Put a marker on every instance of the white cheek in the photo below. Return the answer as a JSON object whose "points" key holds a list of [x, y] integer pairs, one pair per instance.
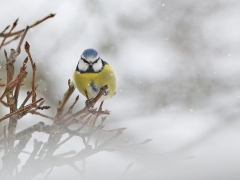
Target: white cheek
{"points": [[97, 66], [82, 65]]}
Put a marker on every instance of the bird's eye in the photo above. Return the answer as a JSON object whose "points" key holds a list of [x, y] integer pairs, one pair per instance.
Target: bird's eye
{"points": [[84, 60], [95, 61]]}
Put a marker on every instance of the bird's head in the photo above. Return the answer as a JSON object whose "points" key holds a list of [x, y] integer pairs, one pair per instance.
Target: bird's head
{"points": [[90, 61]]}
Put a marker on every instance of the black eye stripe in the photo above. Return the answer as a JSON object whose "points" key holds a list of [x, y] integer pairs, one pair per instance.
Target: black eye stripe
{"points": [[95, 61], [84, 60]]}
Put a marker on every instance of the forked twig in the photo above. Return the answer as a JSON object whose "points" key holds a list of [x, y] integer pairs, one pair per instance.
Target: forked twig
{"points": [[33, 25], [66, 96], [5, 37], [27, 49], [22, 110], [13, 39]]}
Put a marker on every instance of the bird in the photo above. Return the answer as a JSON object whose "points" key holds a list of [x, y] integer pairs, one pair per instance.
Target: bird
{"points": [[92, 73]]}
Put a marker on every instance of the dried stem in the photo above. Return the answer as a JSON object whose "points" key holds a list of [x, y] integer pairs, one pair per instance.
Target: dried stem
{"points": [[66, 96], [10, 98], [5, 37], [6, 28], [22, 76], [42, 115], [13, 39], [27, 49], [33, 25], [99, 133], [21, 40], [9, 88], [29, 94], [71, 107], [23, 111]]}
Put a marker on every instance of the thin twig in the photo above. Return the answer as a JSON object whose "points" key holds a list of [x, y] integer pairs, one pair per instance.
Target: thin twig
{"points": [[71, 107], [73, 165], [10, 86], [10, 99], [6, 28], [13, 26], [22, 76], [98, 114], [33, 25], [66, 153], [65, 140], [21, 40], [42, 115], [29, 94], [99, 133], [128, 168], [49, 172], [39, 127], [5, 104], [89, 103], [27, 49], [66, 96], [36, 148], [13, 39], [6, 56], [25, 109], [69, 112]]}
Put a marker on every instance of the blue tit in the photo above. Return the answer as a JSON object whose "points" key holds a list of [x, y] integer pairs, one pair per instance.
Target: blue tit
{"points": [[92, 73]]}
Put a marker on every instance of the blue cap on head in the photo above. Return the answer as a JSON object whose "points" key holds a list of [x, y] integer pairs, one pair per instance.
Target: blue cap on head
{"points": [[90, 53]]}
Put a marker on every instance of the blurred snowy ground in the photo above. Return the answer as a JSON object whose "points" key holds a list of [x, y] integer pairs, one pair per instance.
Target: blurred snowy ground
{"points": [[177, 66]]}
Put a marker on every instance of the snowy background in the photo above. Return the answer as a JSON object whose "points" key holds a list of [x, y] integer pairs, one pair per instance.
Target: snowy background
{"points": [[178, 79]]}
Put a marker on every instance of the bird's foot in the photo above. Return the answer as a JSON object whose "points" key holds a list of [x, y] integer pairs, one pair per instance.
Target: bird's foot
{"points": [[89, 103], [104, 89]]}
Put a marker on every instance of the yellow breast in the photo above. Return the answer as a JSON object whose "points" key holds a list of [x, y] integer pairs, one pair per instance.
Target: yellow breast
{"points": [[92, 82]]}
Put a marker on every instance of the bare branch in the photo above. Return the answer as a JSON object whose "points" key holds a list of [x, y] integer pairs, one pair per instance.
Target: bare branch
{"points": [[5, 104], [22, 76], [29, 94], [6, 28], [13, 39], [11, 85], [71, 107], [83, 123], [66, 96], [33, 25], [27, 49], [21, 40], [13, 26], [23, 111], [42, 115]]}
